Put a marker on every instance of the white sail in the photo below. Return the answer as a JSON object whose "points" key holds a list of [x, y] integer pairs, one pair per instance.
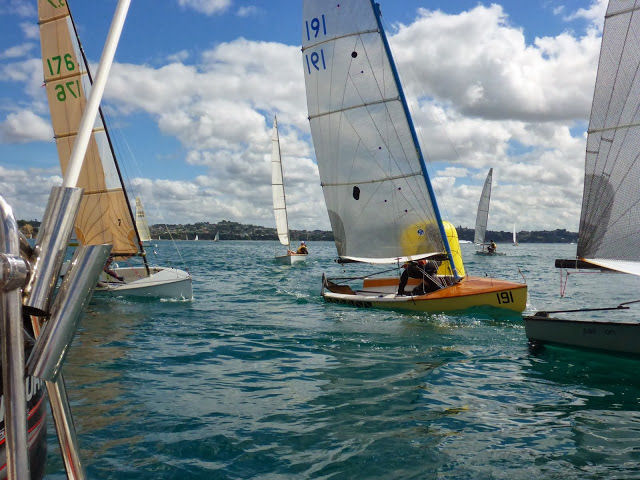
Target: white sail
{"points": [[217, 237], [196, 238], [277, 187], [482, 217], [376, 189], [609, 235], [515, 241], [141, 222]]}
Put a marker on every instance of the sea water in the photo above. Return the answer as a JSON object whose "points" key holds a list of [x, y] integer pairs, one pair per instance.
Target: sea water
{"points": [[258, 377]]}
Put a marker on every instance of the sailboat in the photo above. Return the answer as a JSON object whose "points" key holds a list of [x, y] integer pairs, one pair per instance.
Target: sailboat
{"points": [[608, 236], [105, 216], [217, 237], [196, 237], [515, 239], [280, 201], [141, 222], [379, 197], [482, 218]]}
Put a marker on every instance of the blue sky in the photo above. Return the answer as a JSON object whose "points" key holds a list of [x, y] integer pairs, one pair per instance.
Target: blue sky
{"points": [[196, 83]]}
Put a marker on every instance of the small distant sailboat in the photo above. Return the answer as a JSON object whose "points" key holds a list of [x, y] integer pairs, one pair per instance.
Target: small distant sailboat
{"points": [[608, 237], [217, 237], [280, 202], [482, 218], [515, 239], [379, 197], [141, 222], [196, 238], [105, 215]]}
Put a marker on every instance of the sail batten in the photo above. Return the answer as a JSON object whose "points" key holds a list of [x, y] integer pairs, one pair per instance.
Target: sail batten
{"points": [[104, 215], [611, 202], [366, 147]]}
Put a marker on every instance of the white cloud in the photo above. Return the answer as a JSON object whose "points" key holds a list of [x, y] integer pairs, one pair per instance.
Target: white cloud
{"points": [[594, 14], [247, 11], [31, 30], [27, 190], [208, 7], [25, 126], [22, 8], [179, 57], [17, 51]]}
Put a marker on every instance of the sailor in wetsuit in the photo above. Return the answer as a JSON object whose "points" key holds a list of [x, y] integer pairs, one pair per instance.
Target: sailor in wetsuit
{"points": [[423, 269]]}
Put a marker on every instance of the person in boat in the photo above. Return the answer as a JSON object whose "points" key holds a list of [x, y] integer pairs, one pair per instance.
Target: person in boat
{"points": [[107, 269], [302, 249], [492, 247], [425, 270]]}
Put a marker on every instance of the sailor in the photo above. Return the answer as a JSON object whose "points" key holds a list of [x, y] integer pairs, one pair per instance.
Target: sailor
{"points": [[107, 269], [492, 247], [302, 249], [424, 270]]}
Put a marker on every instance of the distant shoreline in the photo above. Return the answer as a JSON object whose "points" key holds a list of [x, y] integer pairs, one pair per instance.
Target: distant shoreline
{"points": [[228, 230]]}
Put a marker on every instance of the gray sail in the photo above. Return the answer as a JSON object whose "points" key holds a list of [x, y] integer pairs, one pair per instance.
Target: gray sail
{"points": [[482, 217], [609, 235], [374, 186]]}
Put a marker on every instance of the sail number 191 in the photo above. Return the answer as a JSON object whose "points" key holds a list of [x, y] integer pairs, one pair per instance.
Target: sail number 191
{"points": [[315, 26], [504, 297]]}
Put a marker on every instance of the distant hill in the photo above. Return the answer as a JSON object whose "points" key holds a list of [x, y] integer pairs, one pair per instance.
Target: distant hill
{"points": [[238, 231]]}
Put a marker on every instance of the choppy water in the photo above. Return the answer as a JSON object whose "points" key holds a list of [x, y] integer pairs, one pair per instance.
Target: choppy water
{"points": [[259, 378]]}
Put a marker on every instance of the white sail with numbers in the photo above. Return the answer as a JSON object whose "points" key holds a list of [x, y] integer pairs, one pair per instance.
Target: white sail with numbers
{"points": [[482, 217], [104, 216], [141, 222], [277, 187], [371, 168], [609, 235]]}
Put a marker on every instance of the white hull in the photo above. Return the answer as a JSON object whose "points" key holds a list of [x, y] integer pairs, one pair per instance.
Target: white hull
{"points": [[610, 336], [162, 283], [292, 258]]}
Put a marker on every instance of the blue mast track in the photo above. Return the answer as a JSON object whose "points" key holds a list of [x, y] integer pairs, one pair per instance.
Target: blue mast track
{"points": [[423, 165]]}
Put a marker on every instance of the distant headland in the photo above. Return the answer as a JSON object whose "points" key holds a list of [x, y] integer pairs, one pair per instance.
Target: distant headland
{"points": [[228, 230]]}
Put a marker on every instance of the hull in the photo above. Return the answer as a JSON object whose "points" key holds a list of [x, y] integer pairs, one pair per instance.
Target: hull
{"points": [[470, 292], [162, 283], [291, 258], [621, 337], [37, 430], [488, 254]]}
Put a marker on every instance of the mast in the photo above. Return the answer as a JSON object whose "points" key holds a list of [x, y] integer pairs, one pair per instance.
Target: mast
{"points": [[423, 165], [142, 251], [277, 158]]}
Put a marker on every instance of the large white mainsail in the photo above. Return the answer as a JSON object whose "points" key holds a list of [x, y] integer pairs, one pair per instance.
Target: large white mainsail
{"points": [[609, 235], [105, 215], [141, 222], [377, 191], [277, 186], [482, 217]]}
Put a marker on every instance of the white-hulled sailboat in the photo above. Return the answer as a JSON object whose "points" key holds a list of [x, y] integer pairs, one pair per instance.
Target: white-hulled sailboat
{"points": [[280, 201], [105, 215], [482, 219], [381, 205], [609, 237]]}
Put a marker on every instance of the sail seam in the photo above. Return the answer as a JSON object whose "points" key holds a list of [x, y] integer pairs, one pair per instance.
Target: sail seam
{"points": [[73, 134], [340, 110], [629, 125], [64, 77], [378, 180], [622, 12], [53, 19], [354, 34]]}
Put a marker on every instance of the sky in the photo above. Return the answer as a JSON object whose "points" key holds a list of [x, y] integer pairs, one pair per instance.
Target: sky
{"points": [[196, 83]]}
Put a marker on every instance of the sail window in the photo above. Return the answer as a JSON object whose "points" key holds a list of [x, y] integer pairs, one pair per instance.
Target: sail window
{"points": [[356, 193], [354, 54]]}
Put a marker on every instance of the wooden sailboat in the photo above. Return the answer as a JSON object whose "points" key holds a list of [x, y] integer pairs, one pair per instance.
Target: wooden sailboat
{"points": [[280, 202], [381, 205], [482, 218], [105, 215], [141, 222], [608, 238]]}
